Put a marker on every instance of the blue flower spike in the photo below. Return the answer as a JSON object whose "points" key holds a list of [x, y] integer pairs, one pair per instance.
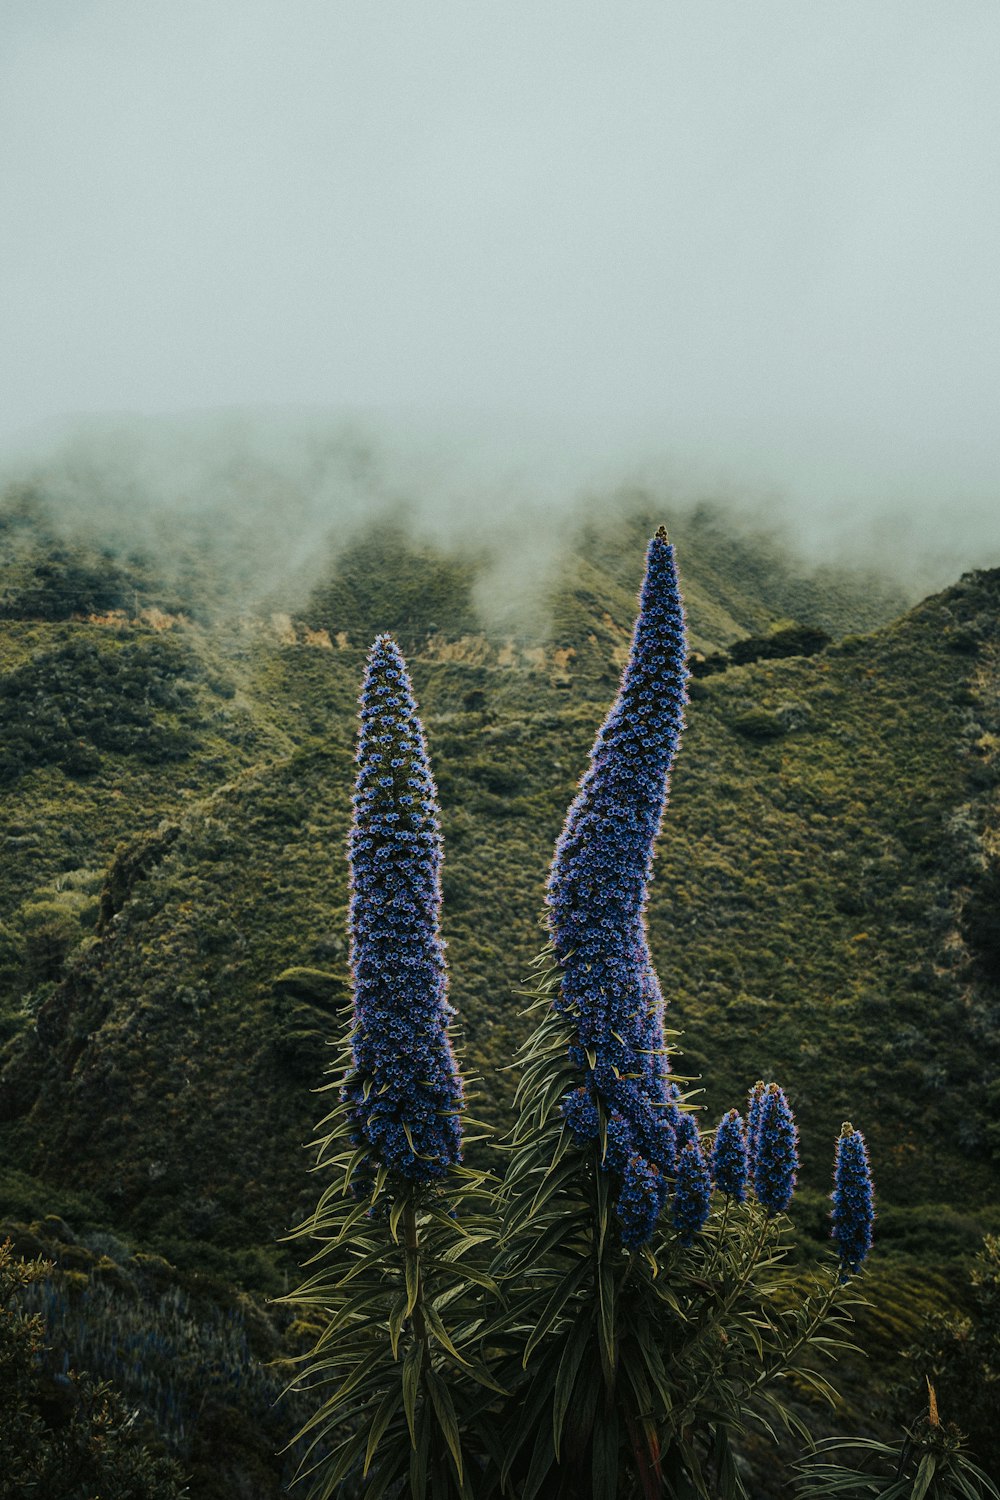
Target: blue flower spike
{"points": [[755, 1102], [777, 1156], [405, 1091], [685, 1129], [692, 1193], [853, 1212], [730, 1158], [639, 1202], [597, 893]]}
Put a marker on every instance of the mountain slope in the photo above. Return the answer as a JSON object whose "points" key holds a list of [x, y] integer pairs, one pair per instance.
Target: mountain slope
{"points": [[831, 836]]}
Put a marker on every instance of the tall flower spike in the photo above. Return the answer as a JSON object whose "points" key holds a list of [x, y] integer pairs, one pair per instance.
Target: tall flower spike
{"points": [[405, 1091], [853, 1199], [777, 1158], [598, 888], [730, 1163]]}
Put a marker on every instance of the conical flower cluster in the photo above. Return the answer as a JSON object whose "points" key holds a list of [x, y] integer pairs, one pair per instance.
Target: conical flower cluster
{"points": [[597, 895], [730, 1158], [853, 1199], [755, 1103], [776, 1151], [405, 1091], [692, 1193]]}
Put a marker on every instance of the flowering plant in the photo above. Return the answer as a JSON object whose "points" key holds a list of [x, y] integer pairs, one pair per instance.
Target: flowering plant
{"points": [[600, 1323]]}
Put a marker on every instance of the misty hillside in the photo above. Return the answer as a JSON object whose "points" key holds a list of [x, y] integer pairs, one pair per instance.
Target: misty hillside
{"points": [[177, 769]]}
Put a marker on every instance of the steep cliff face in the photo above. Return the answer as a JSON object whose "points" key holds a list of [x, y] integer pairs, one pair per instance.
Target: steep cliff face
{"points": [[822, 908]]}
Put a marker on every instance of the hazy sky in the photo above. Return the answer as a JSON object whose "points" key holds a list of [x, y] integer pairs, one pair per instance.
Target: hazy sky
{"points": [[759, 241]]}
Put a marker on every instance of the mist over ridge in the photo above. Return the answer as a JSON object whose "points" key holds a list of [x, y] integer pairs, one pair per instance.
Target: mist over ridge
{"points": [[267, 500]]}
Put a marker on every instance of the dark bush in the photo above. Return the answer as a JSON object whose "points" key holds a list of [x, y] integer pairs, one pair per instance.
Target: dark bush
{"points": [[794, 640], [981, 923]]}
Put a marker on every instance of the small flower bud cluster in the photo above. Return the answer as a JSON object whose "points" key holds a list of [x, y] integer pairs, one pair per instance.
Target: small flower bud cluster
{"points": [[853, 1199], [692, 1193], [754, 1105]]}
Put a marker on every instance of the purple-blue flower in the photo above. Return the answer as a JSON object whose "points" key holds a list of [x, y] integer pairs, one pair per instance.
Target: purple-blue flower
{"points": [[730, 1161], [777, 1156], [685, 1129], [640, 1202], [853, 1199], [599, 883], [580, 1113], [755, 1102], [405, 1091], [692, 1193]]}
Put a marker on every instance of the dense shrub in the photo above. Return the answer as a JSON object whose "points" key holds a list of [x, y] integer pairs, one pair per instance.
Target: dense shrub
{"points": [[65, 706], [791, 640], [62, 1433], [960, 1356]]}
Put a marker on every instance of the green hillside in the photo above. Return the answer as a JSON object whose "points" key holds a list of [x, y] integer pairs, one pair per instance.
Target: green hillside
{"points": [[177, 774]]}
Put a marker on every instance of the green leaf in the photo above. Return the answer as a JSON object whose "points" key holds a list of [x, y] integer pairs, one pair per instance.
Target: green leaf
{"points": [[569, 1365], [396, 1319], [530, 1418], [440, 1332], [557, 1301], [444, 1411], [605, 1455], [331, 1408], [924, 1476], [542, 1459], [411, 1265], [565, 1175], [412, 1366], [731, 1485], [398, 1210], [418, 1462], [388, 1407], [353, 1163], [601, 1182], [347, 1456], [606, 1321]]}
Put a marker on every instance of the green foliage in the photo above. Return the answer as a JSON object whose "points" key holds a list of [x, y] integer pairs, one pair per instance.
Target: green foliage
{"points": [[931, 1463], [398, 1373], [640, 1371], [199, 1366], [960, 1356], [66, 706], [787, 640], [760, 831], [566, 1367], [759, 725], [61, 587], [980, 922], [61, 1433]]}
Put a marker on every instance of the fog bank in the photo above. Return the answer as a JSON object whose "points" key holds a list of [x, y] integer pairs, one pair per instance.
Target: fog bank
{"points": [[272, 497]]}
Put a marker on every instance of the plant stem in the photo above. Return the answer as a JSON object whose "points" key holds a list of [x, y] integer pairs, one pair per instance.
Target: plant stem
{"points": [[728, 1302], [411, 1242], [720, 1243], [811, 1327]]}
